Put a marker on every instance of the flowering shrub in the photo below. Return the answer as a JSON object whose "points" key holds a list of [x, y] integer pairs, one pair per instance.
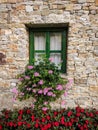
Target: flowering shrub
{"points": [[42, 81], [29, 119]]}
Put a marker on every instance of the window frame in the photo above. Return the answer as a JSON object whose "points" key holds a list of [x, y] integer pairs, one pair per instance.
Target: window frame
{"points": [[47, 30]]}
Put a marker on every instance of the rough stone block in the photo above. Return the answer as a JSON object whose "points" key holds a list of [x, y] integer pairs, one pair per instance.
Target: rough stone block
{"points": [[29, 8]]}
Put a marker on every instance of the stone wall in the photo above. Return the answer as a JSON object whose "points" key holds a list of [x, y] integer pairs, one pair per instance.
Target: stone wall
{"points": [[82, 62]]}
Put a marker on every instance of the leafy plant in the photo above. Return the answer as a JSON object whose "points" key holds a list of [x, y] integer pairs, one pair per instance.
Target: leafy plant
{"points": [[42, 81], [65, 119]]}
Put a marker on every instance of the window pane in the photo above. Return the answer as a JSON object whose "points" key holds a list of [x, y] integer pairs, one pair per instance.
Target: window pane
{"points": [[38, 55], [56, 58], [55, 41], [39, 41]]}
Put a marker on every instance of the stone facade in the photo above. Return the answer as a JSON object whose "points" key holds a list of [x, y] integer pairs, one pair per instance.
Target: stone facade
{"points": [[82, 61]]}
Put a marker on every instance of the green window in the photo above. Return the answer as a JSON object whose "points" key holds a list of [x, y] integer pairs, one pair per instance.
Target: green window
{"points": [[49, 41]]}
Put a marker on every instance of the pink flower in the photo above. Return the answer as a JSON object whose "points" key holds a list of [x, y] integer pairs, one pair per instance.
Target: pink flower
{"points": [[20, 79], [40, 82], [30, 67], [34, 85], [63, 103], [14, 90], [34, 91], [32, 105], [36, 74], [68, 85], [21, 94], [53, 95], [50, 93], [40, 91], [59, 87], [65, 94], [13, 99], [27, 77], [51, 59], [44, 108], [45, 91], [45, 103], [50, 71]]}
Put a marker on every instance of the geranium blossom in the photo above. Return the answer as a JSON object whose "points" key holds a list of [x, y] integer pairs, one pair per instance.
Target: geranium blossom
{"points": [[45, 90], [40, 91], [50, 93], [41, 82], [36, 74], [44, 108], [27, 77], [50, 71], [51, 59], [30, 67], [14, 90], [59, 87]]}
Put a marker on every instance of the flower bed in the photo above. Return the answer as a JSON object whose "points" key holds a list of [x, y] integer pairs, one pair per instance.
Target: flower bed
{"points": [[64, 119]]}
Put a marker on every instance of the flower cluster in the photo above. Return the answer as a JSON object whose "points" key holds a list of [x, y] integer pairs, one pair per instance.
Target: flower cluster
{"points": [[69, 119], [42, 81]]}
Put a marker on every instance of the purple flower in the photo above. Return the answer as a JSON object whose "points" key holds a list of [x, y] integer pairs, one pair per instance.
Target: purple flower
{"points": [[50, 93], [40, 82], [30, 67], [59, 87], [36, 74], [50, 71], [40, 91]]}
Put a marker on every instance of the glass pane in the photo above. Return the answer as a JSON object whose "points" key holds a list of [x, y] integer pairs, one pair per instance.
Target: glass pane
{"points": [[55, 41], [38, 55], [39, 41], [56, 58]]}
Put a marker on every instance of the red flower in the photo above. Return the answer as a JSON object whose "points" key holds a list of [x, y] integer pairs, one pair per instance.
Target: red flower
{"points": [[69, 113], [63, 118], [69, 124], [48, 117], [20, 112], [36, 125], [82, 110], [78, 109], [49, 125], [28, 111], [56, 123], [32, 117], [85, 126], [43, 120], [28, 125], [91, 115], [1, 127], [20, 123], [78, 114], [19, 117], [86, 121], [6, 116], [55, 113], [72, 120]]}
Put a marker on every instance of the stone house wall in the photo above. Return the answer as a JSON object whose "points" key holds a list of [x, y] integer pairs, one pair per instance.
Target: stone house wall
{"points": [[82, 61]]}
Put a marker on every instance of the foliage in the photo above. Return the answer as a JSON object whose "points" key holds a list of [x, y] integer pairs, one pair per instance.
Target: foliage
{"points": [[69, 119], [42, 81]]}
